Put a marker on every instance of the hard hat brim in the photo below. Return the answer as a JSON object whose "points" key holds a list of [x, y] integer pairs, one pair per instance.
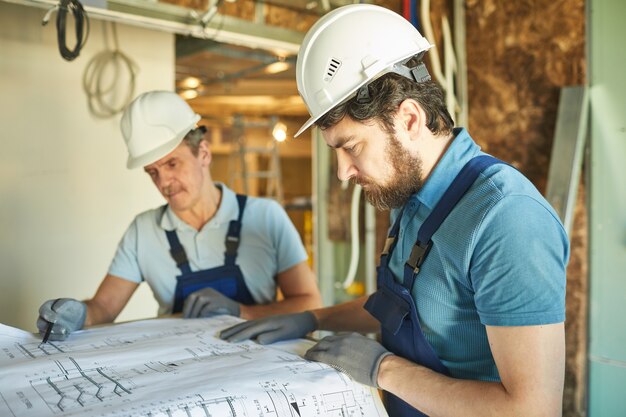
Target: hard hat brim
{"points": [[158, 153], [305, 126]]}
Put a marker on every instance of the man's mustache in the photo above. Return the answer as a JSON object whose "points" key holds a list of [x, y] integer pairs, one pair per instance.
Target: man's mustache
{"points": [[169, 190]]}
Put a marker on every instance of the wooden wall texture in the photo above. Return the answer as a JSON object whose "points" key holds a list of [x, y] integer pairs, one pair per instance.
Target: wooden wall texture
{"points": [[520, 53]]}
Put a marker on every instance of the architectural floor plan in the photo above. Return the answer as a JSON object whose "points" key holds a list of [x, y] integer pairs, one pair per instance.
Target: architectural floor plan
{"points": [[170, 368]]}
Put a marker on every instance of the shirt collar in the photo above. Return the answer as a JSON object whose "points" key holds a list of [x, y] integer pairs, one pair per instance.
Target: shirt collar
{"points": [[461, 150], [227, 211]]}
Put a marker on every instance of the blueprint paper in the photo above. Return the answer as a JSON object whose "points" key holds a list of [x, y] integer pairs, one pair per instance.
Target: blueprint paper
{"points": [[171, 368]]}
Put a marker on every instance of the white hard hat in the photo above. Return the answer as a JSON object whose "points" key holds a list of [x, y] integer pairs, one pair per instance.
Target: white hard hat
{"points": [[154, 124], [346, 49]]}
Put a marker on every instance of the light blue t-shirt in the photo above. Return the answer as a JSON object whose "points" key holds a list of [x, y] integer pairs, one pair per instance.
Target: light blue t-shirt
{"points": [[498, 259], [269, 245]]}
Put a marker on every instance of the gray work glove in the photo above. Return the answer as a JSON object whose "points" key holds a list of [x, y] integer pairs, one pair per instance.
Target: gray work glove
{"points": [[272, 329], [353, 354], [66, 314], [209, 302]]}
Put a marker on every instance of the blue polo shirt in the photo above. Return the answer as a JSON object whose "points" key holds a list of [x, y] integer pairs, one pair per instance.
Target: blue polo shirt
{"points": [[499, 259], [269, 245]]}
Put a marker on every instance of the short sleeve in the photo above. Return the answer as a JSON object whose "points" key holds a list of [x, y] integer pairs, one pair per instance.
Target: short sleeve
{"points": [[125, 263], [285, 238], [518, 264]]}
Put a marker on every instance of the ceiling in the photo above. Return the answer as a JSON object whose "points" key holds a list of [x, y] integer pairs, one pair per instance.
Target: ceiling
{"points": [[237, 80]]}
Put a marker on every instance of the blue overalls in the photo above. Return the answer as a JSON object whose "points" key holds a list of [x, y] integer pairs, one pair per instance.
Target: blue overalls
{"points": [[227, 279], [393, 305]]}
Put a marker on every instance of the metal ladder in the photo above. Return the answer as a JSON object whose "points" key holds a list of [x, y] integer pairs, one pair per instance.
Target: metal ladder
{"points": [[239, 163]]}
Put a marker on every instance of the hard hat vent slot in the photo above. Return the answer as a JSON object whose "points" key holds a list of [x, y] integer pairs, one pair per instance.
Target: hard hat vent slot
{"points": [[333, 66]]}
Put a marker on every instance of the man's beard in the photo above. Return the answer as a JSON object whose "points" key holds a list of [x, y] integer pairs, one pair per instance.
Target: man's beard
{"points": [[406, 179]]}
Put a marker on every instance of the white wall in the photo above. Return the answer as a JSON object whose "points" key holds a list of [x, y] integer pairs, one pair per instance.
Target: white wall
{"points": [[607, 208], [66, 196]]}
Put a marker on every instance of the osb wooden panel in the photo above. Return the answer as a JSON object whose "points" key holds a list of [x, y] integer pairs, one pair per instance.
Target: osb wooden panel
{"points": [[243, 9], [519, 55], [192, 4], [288, 19], [395, 5]]}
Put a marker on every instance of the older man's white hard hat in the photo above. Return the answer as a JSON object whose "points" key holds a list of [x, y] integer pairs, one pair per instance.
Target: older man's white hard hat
{"points": [[348, 48], [154, 124]]}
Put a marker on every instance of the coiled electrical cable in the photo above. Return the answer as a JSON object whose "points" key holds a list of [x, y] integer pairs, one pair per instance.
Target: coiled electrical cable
{"points": [[102, 77], [81, 25]]}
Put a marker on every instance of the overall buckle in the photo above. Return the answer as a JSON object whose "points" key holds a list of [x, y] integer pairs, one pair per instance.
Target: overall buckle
{"points": [[418, 255], [232, 244]]}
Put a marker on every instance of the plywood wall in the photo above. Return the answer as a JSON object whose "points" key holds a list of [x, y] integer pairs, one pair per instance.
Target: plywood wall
{"points": [[520, 54]]}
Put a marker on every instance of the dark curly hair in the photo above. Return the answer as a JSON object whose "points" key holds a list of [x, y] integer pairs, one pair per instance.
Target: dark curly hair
{"points": [[387, 93]]}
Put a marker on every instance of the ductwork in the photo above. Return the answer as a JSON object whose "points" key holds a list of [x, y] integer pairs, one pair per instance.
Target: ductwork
{"points": [[185, 21]]}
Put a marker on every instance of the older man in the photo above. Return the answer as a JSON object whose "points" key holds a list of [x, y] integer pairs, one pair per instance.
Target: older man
{"points": [[207, 251]]}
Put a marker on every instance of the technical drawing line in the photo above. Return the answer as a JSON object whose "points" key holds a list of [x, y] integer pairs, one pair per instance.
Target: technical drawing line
{"points": [[98, 393], [54, 345], [273, 403], [61, 367], [24, 350], [59, 392], [117, 384], [232, 408], [80, 394], [288, 402], [84, 375], [7, 404]]}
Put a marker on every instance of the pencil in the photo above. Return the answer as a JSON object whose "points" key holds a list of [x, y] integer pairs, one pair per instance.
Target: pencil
{"points": [[46, 336]]}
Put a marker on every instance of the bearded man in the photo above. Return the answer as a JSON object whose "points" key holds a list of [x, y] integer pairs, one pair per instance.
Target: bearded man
{"points": [[471, 299]]}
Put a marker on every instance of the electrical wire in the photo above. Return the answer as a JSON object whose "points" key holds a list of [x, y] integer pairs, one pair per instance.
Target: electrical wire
{"points": [[102, 76], [81, 27]]}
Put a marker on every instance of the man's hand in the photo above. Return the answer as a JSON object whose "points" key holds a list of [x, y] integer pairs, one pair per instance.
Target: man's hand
{"points": [[66, 314], [272, 329], [209, 302], [353, 354]]}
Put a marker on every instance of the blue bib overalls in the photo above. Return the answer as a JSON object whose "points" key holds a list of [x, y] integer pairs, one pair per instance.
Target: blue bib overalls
{"points": [[393, 304], [227, 279]]}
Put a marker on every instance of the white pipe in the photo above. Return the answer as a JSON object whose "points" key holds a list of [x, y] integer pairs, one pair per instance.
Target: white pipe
{"points": [[428, 32], [370, 249], [461, 61], [354, 237], [450, 69]]}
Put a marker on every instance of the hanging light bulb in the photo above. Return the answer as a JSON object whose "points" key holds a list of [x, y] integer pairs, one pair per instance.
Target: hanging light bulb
{"points": [[190, 82], [276, 67], [279, 132], [189, 94]]}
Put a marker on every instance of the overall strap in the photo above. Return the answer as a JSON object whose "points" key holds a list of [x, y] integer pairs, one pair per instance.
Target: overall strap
{"points": [[178, 252], [448, 201], [390, 242], [234, 233]]}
